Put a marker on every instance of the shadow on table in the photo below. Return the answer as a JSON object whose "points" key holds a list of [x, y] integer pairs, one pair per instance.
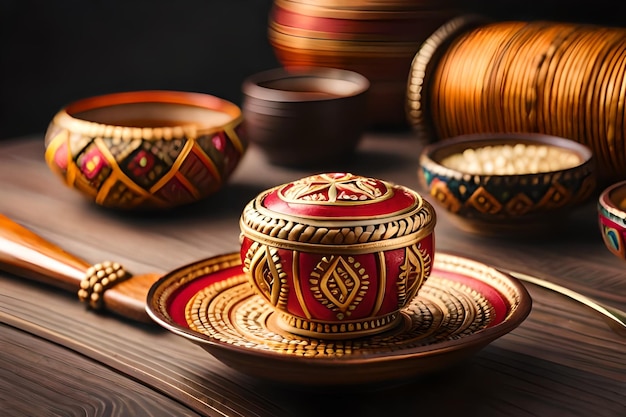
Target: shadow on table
{"points": [[478, 386]]}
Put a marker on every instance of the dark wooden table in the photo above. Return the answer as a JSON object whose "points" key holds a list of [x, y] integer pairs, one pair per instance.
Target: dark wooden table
{"points": [[58, 359]]}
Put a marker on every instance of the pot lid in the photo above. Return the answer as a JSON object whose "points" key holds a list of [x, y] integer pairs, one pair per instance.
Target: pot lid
{"points": [[360, 209]]}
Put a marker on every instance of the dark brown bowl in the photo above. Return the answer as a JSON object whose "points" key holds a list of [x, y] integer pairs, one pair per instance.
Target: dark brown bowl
{"points": [[305, 117]]}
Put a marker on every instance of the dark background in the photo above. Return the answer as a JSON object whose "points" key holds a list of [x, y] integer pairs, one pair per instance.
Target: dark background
{"points": [[55, 52]]}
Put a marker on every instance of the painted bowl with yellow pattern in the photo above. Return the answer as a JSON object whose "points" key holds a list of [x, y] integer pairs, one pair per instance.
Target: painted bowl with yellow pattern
{"points": [[146, 150], [337, 255], [507, 183]]}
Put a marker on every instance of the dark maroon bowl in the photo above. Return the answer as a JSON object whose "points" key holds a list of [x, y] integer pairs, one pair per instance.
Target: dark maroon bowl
{"points": [[305, 116]]}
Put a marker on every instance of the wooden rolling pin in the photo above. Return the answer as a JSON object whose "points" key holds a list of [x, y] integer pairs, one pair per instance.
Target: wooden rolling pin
{"points": [[104, 286]]}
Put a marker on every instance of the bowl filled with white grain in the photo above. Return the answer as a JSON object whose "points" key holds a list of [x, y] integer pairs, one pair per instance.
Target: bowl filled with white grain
{"points": [[502, 183]]}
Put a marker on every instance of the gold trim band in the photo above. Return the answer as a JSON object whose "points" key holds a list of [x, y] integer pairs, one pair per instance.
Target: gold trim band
{"points": [[337, 330], [339, 249]]}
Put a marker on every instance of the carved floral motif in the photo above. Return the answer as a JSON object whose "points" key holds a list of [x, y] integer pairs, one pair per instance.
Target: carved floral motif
{"points": [[334, 188]]}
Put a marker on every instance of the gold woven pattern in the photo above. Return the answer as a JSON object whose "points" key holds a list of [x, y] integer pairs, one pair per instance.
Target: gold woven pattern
{"points": [[229, 312], [256, 219]]}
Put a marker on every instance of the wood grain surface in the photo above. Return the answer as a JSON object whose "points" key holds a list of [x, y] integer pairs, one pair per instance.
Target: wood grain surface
{"points": [[59, 359]]}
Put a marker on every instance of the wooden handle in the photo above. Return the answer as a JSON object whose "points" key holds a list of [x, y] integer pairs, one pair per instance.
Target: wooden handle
{"points": [[27, 254]]}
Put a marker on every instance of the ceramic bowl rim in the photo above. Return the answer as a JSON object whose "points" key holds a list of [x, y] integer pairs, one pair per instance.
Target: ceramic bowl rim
{"points": [[252, 85], [186, 98], [430, 151], [68, 114], [607, 205]]}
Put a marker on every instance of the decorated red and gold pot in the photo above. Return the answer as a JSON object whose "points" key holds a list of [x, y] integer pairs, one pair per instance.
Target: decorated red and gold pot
{"points": [[377, 39], [337, 255]]}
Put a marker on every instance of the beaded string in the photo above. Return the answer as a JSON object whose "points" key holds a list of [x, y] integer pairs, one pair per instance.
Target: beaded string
{"points": [[99, 278]]}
